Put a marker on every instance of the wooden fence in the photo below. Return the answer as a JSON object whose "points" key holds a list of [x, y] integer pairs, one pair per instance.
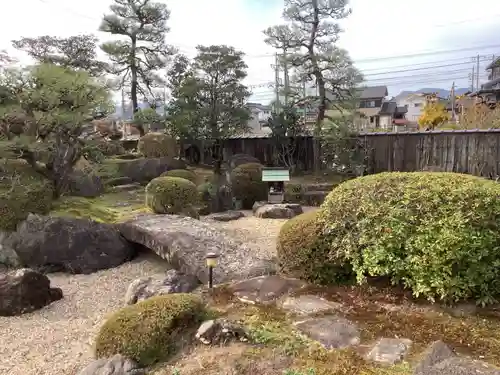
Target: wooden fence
{"points": [[474, 152]]}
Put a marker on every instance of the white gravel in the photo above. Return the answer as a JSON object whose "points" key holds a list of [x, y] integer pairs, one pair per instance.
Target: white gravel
{"points": [[57, 340]]}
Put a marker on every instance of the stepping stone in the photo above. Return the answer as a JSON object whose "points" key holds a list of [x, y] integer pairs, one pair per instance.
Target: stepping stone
{"points": [[308, 304], [389, 350], [226, 216], [265, 289], [332, 332]]}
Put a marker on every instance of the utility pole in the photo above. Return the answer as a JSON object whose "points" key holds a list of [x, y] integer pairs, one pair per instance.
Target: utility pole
{"points": [[452, 94], [472, 79], [277, 82], [477, 73]]}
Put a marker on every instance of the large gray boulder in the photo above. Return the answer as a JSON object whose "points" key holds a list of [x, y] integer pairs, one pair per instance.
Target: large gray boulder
{"points": [[184, 243], [145, 169], [24, 291], [52, 244]]}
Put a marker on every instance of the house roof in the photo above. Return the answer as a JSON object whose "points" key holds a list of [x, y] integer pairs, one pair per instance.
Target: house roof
{"points": [[388, 108], [494, 63], [403, 109], [259, 106], [374, 92]]}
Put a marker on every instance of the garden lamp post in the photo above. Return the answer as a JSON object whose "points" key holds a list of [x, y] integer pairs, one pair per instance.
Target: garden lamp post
{"points": [[211, 259]]}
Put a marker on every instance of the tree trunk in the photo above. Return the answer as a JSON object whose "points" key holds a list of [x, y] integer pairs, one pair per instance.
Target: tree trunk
{"points": [[65, 157], [219, 178], [133, 76]]}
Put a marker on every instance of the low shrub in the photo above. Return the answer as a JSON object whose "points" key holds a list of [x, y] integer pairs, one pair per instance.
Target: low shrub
{"points": [[182, 173], [109, 148], [149, 331], [247, 184], [22, 191], [157, 145], [437, 233], [171, 195], [294, 193], [304, 253]]}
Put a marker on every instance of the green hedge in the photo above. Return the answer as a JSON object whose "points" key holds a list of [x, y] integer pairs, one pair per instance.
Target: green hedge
{"points": [[437, 233], [171, 195], [148, 331], [247, 184], [182, 173], [303, 252], [157, 145]]}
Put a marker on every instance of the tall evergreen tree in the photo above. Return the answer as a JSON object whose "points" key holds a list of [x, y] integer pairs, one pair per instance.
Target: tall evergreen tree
{"points": [[143, 51]]}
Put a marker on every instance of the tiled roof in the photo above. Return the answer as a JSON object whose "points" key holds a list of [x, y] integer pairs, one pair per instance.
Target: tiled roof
{"points": [[374, 92]]}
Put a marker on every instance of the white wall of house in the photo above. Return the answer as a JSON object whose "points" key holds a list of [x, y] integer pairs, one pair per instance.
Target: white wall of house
{"points": [[415, 104], [386, 122]]}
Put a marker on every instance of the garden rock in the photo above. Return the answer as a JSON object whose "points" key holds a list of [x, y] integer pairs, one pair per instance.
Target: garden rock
{"points": [[220, 331], [226, 216], [116, 365], [308, 304], [8, 256], [184, 242], [52, 244], [86, 185], [170, 282], [332, 332], [278, 211], [389, 350], [439, 359], [24, 291], [265, 289], [144, 170]]}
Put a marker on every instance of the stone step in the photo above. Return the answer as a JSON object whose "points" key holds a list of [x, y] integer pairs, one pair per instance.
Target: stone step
{"points": [[127, 187]]}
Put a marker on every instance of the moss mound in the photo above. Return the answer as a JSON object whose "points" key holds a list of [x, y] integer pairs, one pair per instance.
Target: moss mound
{"points": [[302, 252], [157, 145], [247, 184], [171, 195], [182, 173], [148, 331], [438, 233], [22, 191]]}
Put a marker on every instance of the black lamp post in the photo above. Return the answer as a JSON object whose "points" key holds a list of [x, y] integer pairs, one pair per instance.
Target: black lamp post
{"points": [[211, 259]]}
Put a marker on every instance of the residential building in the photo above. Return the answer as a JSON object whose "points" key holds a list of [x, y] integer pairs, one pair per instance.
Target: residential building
{"points": [[370, 104], [414, 104], [489, 93], [260, 114]]}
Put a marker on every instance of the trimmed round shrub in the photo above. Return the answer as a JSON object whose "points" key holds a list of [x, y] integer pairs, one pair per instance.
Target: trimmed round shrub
{"points": [[206, 192], [437, 233], [247, 184], [148, 331], [182, 173], [303, 252], [171, 195], [110, 148], [157, 145], [294, 193]]}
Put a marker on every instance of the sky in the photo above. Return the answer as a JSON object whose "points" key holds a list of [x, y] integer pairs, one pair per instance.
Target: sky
{"points": [[379, 35]]}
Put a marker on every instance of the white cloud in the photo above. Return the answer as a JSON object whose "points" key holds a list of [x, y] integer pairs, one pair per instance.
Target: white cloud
{"points": [[375, 29]]}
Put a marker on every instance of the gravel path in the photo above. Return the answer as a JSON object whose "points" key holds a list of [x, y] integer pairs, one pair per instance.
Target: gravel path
{"points": [[57, 340]]}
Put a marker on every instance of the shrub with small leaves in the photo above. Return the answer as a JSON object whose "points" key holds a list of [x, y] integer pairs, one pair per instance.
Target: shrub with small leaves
{"points": [[247, 184], [157, 145], [149, 331], [182, 173], [171, 195], [437, 233], [303, 252]]}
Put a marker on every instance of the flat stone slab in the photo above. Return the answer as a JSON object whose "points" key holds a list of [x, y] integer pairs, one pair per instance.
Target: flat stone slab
{"points": [[265, 289], [331, 331], [308, 304], [389, 350], [184, 243], [225, 216]]}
